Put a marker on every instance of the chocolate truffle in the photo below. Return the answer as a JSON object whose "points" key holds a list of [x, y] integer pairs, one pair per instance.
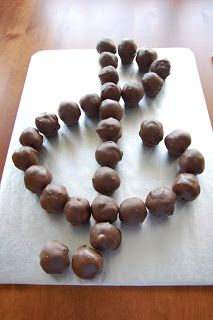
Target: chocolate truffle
{"points": [[192, 161], [161, 202], [152, 84], [132, 211], [69, 112], [104, 209], [127, 49], [106, 45], [108, 59], [105, 236], [108, 74], [108, 154], [53, 198], [54, 257], [161, 67], [109, 129], [36, 178], [177, 142], [87, 262], [77, 211], [132, 93], [144, 58], [106, 180], [90, 103], [25, 157], [151, 132], [47, 123], [32, 138], [110, 109], [186, 186], [110, 90]]}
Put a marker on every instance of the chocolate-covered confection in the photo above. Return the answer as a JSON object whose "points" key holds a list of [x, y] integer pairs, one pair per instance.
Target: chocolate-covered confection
{"points": [[132, 93], [69, 112], [32, 138], [54, 257], [110, 90], [110, 109], [192, 161], [161, 67], [53, 198], [105, 236], [108, 59], [77, 211], [106, 180], [47, 123], [144, 58], [106, 45], [161, 202], [109, 129], [104, 209], [151, 132], [108, 74], [25, 157], [108, 154], [127, 49], [36, 178], [152, 84], [177, 142], [186, 186], [90, 103], [132, 211], [87, 262]]}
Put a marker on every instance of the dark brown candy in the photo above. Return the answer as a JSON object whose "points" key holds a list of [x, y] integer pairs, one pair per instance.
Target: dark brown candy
{"points": [[105, 236], [192, 161], [177, 142], [53, 198], [104, 209], [106, 45], [108, 59], [36, 178], [132, 93], [109, 129], [144, 58], [108, 74], [152, 84], [186, 186], [32, 138], [47, 123], [162, 67], [106, 180], [110, 109], [161, 202], [90, 103], [110, 90], [25, 157], [108, 154], [127, 49], [151, 132], [69, 112], [77, 211], [132, 211]]}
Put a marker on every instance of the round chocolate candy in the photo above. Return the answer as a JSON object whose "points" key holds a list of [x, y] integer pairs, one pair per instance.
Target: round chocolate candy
{"points": [[106, 45], [132, 93], [151, 132], [90, 103], [106, 180], [53, 198], [162, 67], [186, 186], [36, 178], [110, 90], [108, 154], [192, 161], [77, 211], [32, 138], [69, 112], [47, 123], [25, 157], [152, 84], [108, 74], [110, 109], [108, 59], [105, 236], [127, 49], [144, 58], [109, 129], [177, 142], [104, 209], [132, 211]]}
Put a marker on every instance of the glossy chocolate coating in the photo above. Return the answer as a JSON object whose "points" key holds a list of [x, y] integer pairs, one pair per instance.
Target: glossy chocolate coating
{"points": [[32, 138], [53, 198], [132, 93], [36, 178], [105, 236], [106, 45], [127, 49], [108, 154], [177, 142], [77, 211], [192, 161], [144, 58], [108, 59], [161, 202], [108, 74], [152, 84], [110, 90], [110, 109], [90, 103], [104, 209], [132, 211], [186, 186], [151, 132], [87, 262], [109, 129], [106, 180], [69, 112], [47, 123], [54, 257], [25, 157], [162, 67]]}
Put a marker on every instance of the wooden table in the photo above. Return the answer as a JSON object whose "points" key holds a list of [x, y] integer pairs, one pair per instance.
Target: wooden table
{"points": [[27, 26]]}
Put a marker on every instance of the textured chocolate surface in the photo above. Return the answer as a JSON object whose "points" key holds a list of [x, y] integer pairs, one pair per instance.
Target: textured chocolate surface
{"points": [[152, 84], [192, 161], [108, 74], [69, 112], [106, 180], [132, 211], [104, 209], [77, 211], [47, 123], [32, 138], [109, 129], [53, 198], [127, 50], [110, 90], [110, 109], [177, 142], [144, 58], [106, 45], [132, 93], [90, 103], [105, 236], [108, 59], [162, 67], [108, 154], [151, 132], [25, 157], [186, 186], [161, 201], [36, 178]]}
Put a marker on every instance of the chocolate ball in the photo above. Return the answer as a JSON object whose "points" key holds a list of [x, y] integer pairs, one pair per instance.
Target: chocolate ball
{"points": [[144, 58], [54, 257], [36, 178], [108, 154], [32, 138], [127, 49], [161, 202], [132, 211], [151, 132], [110, 109], [186, 186], [177, 142], [161, 67], [77, 211], [106, 180], [192, 161], [152, 84], [53, 198], [69, 112], [108, 74], [108, 59], [87, 262], [47, 123], [104, 209], [109, 129], [110, 90], [106, 45], [90, 103], [25, 157], [132, 93], [105, 236]]}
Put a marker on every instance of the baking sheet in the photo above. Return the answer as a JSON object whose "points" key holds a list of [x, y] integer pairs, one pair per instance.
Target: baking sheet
{"points": [[172, 251]]}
